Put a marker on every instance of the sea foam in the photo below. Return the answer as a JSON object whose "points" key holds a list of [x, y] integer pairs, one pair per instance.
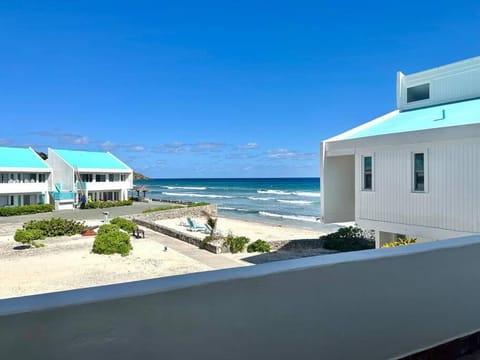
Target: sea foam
{"points": [[296, 202], [199, 195], [289, 217]]}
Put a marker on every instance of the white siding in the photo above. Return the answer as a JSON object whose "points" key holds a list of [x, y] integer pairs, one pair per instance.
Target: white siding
{"points": [[453, 82], [61, 172], [452, 200]]}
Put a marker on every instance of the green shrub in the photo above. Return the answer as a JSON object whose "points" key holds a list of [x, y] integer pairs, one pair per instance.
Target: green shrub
{"points": [[124, 224], [348, 239], [162, 208], [107, 228], [236, 243], [206, 240], [111, 240], [259, 246], [29, 236], [400, 242], [106, 204], [26, 209], [56, 227]]}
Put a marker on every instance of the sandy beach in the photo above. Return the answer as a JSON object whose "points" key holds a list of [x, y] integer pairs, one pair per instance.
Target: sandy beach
{"points": [[67, 262]]}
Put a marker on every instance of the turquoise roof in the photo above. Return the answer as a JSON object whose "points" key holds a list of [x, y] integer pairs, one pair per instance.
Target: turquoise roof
{"points": [[13, 157], [91, 160], [456, 114]]}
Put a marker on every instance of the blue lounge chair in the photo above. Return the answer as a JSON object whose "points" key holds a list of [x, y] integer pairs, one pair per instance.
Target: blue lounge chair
{"points": [[194, 227]]}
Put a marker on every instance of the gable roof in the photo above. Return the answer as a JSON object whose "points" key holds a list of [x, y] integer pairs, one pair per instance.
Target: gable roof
{"points": [[14, 157], [439, 116], [91, 160]]}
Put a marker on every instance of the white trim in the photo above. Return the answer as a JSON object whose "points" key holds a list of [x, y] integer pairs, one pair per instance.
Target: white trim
{"points": [[423, 151], [362, 167], [25, 170]]}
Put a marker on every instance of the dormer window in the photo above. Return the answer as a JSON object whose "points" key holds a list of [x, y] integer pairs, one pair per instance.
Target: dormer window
{"points": [[417, 93]]}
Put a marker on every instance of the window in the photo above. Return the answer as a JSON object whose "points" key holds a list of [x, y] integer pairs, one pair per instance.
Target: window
{"points": [[419, 172], [41, 178], [367, 165], [100, 178], [417, 93], [86, 177], [111, 177]]}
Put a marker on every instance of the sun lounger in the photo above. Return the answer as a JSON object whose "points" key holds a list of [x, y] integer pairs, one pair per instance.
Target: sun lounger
{"points": [[193, 226]]}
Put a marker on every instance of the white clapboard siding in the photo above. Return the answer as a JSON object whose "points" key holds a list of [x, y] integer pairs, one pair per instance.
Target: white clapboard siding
{"points": [[452, 199]]}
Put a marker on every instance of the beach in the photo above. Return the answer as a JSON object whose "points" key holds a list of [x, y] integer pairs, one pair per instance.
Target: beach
{"points": [[67, 262]]}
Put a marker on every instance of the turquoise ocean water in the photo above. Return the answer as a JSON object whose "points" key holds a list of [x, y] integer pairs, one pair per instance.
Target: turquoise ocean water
{"points": [[279, 201]]}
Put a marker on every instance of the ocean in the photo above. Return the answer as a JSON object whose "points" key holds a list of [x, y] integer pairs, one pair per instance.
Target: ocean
{"points": [[279, 201]]}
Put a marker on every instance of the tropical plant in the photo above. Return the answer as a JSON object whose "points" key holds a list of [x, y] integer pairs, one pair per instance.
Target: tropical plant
{"points": [[236, 243], [212, 223], [124, 224], [26, 209], [400, 242], [348, 239], [259, 246], [28, 237]]}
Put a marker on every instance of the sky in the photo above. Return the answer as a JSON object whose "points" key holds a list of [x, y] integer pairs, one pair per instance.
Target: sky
{"points": [[204, 89]]}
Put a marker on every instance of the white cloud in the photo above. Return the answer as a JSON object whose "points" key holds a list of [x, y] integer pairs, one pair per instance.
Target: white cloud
{"points": [[285, 154]]}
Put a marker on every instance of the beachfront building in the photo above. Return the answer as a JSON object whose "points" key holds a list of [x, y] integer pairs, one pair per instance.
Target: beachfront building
{"points": [[23, 177], [88, 174], [414, 171]]}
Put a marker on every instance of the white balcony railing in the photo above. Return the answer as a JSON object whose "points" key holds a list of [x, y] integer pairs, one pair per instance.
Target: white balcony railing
{"points": [[103, 186], [19, 188], [375, 304]]}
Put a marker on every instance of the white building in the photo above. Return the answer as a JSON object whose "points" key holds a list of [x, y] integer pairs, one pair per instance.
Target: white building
{"points": [[415, 171], [96, 175], [23, 177]]}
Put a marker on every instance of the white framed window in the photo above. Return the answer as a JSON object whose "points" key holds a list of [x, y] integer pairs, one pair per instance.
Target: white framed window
{"points": [[367, 172], [419, 172]]}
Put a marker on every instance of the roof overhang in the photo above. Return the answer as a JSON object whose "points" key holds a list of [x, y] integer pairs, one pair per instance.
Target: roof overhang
{"points": [[333, 147], [110, 171], [25, 169]]}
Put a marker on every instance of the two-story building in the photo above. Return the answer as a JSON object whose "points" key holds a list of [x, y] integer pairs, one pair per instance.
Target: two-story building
{"points": [[95, 175], [414, 171], [24, 177]]}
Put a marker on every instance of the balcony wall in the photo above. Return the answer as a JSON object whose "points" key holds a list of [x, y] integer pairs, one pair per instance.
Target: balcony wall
{"points": [[103, 186], [20, 188], [375, 304]]}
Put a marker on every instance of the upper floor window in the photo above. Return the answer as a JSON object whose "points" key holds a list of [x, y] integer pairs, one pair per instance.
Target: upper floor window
{"points": [[111, 177], [42, 177], [419, 172], [367, 171], [123, 177], [100, 178], [86, 177], [417, 93]]}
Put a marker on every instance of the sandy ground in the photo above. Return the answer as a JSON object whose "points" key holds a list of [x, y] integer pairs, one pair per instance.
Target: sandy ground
{"points": [[252, 230], [67, 262]]}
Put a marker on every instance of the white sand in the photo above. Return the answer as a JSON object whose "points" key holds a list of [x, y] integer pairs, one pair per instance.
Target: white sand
{"points": [[67, 262], [252, 230]]}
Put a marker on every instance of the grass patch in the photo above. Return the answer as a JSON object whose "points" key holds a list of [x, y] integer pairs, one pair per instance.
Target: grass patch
{"points": [[162, 208]]}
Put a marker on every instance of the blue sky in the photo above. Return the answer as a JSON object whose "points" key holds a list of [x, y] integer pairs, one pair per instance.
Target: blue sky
{"points": [[214, 89]]}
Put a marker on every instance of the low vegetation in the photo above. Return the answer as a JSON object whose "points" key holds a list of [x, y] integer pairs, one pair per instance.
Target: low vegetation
{"points": [[107, 204], [41, 229], [201, 203], [348, 239], [162, 208], [29, 237], [26, 209], [400, 242], [236, 243], [111, 239], [124, 224], [259, 246]]}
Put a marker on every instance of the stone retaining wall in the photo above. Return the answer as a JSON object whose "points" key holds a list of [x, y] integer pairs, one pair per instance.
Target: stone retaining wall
{"points": [[195, 211], [177, 234]]}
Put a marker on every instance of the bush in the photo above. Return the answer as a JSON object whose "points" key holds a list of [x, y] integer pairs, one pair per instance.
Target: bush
{"points": [[29, 236], [348, 239], [26, 209], [236, 243], [56, 227], [400, 242], [111, 240], [106, 204], [124, 224], [206, 240], [162, 208], [259, 246]]}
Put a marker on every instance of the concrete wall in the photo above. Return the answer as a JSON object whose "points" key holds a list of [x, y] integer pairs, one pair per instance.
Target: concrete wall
{"points": [[376, 304], [338, 188]]}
